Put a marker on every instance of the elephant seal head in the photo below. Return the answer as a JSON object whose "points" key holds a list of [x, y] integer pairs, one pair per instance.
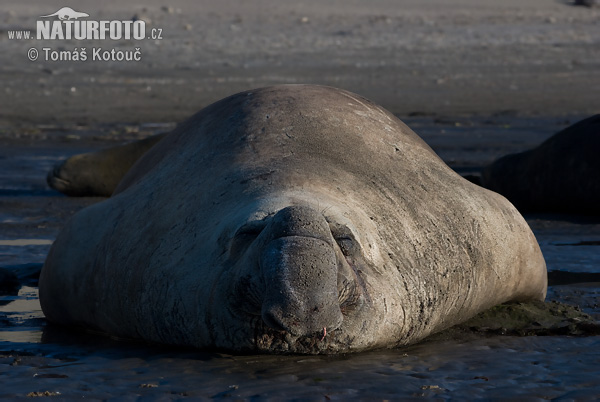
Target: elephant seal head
{"points": [[98, 173], [293, 276], [293, 282]]}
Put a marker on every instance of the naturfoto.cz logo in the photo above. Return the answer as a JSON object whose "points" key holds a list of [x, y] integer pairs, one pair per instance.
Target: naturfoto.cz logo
{"points": [[68, 24]]}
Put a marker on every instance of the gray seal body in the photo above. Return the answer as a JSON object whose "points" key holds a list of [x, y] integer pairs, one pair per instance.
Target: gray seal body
{"points": [[294, 218]]}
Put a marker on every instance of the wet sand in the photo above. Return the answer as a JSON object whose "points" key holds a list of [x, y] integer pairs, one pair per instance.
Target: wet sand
{"points": [[38, 357], [526, 368], [476, 79]]}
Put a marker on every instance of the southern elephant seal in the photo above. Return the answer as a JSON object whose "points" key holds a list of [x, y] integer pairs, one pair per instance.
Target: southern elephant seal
{"points": [[98, 173], [560, 175], [293, 218]]}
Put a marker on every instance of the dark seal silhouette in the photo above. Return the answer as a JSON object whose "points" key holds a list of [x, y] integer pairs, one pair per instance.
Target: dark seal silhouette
{"points": [[561, 175]]}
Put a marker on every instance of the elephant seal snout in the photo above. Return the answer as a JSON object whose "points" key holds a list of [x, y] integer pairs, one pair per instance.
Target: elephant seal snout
{"points": [[299, 267]]}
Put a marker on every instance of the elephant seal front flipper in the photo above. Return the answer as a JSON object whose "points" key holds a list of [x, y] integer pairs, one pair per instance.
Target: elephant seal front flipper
{"points": [[98, 173]]}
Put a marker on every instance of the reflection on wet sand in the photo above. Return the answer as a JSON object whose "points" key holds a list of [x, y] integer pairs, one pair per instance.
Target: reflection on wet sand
{"points": [[21, 317], [25, 242]]}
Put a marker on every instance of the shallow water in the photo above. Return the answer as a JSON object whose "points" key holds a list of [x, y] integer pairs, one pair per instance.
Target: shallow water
{"points": [[37, 357]]}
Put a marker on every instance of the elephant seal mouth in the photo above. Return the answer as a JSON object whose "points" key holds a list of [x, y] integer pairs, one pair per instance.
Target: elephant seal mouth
{"points": [[55, 180]]}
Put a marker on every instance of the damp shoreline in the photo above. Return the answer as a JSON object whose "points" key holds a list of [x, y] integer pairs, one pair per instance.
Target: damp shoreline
{"points": [[37, 358]]}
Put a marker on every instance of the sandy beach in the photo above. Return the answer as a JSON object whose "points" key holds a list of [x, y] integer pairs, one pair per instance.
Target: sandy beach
{"points": [[433, 57], [476, 79]]}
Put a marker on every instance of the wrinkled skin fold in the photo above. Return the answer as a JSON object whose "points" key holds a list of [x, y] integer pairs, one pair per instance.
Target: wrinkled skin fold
{"points": [[290, 219]]}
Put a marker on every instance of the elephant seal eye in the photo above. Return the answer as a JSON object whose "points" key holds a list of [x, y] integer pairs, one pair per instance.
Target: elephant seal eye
{"points": [[344, 238], [250, 229], [245, 235], [347, 245]]}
